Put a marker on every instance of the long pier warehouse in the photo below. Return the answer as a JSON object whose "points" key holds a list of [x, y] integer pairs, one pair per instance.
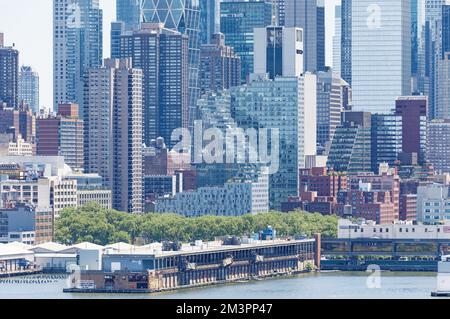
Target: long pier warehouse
{"points": [[199, 265]]}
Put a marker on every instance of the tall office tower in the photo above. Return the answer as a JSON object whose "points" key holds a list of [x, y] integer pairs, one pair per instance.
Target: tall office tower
{"points": [[278, 51], [9, 75], [182, 16], [413, 111], [439, 145], [346, 40], [113, 109], [209, 19], [163, 56], [117, 29], [386, 139], [330, 105], [238, 19], [337, 41], [29, 87], [294, 98], [351, 147], [130, 13], [2, 39], [321, 35], [62, 135], [418, 46], [303, 14], [442, 109], [433, 34], [280, 12], [415, 44], [220, 66], [414, 37], [381, 54], [445, 29], [77, 46]]}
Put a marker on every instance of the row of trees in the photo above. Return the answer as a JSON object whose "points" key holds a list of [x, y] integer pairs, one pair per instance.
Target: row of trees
{"points": [[102, 226]]}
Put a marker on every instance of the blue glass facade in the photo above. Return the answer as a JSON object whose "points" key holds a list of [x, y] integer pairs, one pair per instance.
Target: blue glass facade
{"points": [[381, 54], [117, 28], [209, 19], [237, 21], [445, 29], [351, 149], [346, 41], [386, 139], [78, 45], [433, 24], [414, 37], [320, 38], [130, 13], [304, 14]]}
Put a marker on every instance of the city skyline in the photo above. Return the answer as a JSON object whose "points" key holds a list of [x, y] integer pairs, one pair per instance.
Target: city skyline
{"points": [[195, 143], [37, 50]]}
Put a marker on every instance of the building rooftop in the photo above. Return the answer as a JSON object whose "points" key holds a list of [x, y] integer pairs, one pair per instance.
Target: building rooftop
{"points": [[48, 247], [200, 247]]}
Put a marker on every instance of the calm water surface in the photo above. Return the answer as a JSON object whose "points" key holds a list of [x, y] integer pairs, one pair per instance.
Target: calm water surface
{"points": [[349, 285]]}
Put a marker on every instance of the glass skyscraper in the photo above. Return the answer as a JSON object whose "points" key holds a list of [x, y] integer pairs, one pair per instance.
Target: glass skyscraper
{"points": [[337, 41], [433, 27], [414, 36], [386, 139], [294, 99], [346, 41], [237, 21], [320, 36], [77, 46], [117, 28], [29, 87], [381, 54], [445, 29], [304, 14], [182, 16], [9, 75], [351, 149], [418, 46], [209, 19], [130, 13]]}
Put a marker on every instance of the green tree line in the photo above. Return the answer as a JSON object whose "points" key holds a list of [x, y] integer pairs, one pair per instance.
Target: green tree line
{"points": [[104, 226]]}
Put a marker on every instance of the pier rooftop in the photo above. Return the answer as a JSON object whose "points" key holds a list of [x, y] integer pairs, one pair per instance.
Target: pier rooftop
{"points": [[156, 249]]}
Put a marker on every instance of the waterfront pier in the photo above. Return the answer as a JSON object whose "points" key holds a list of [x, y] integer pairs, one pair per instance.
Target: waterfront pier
{"points": [[206, 264]]}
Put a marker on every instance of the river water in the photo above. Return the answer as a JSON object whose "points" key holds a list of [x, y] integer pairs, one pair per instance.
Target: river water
{"points": [[347, 285]]}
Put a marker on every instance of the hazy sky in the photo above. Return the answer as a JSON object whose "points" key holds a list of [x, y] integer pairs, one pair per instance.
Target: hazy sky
{"points": [[28, 24]]}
